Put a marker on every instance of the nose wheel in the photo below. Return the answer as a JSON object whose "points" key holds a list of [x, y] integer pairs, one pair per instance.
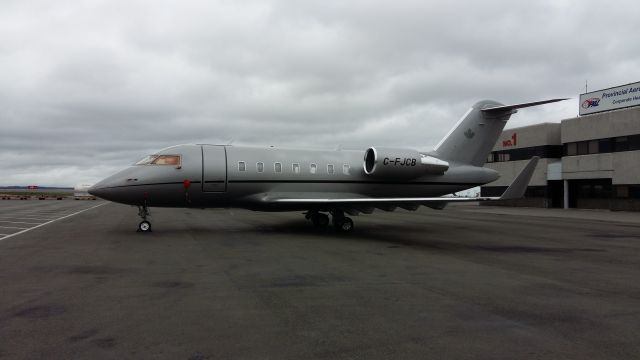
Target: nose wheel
{"points": [[144, 225]]}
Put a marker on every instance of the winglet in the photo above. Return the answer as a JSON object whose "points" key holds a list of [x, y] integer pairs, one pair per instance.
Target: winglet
{"points": [[519, 185]]}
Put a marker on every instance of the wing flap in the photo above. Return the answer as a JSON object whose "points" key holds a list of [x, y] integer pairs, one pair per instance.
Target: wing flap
{"points": [[380, 201]]}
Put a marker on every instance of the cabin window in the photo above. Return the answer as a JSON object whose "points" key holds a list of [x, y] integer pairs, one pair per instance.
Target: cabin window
{"points": [[330, 169], [345, 169], [260, 167], [295, 168], [277, 167], [313, 168], [242, 166]]}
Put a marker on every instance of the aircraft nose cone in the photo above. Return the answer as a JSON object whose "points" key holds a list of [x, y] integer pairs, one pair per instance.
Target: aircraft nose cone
{"points": [[102, 189], [97, 191]]}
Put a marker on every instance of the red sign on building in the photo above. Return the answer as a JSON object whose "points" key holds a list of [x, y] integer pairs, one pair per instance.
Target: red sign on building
{"points": [[511, 142]]}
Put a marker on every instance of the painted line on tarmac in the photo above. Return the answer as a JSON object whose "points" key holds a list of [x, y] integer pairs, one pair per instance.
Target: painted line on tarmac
{"points": [[49, 222], [12, 227], [25, 218], [19, 222]]}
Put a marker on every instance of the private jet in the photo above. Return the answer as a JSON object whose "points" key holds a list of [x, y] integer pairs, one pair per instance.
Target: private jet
{"points": [[326, 185]]}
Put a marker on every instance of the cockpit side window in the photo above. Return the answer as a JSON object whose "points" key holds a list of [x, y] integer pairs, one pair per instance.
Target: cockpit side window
{"points": [[160, 160], [167, 160]]}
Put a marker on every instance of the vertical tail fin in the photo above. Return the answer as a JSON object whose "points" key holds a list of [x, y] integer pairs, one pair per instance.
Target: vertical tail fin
{"points": [[472, 138]]}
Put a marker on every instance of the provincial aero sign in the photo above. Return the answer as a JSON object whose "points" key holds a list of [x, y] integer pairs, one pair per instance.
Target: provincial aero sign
{"points": [[610, 99]]}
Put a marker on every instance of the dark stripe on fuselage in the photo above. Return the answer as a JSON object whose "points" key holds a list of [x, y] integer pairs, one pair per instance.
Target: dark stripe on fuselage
{"points": [[305, 182], [350, 182], [167, 183]]}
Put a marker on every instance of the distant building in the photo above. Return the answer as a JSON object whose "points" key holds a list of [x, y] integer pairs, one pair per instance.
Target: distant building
{"points": [[81, 191], [591, 161]]}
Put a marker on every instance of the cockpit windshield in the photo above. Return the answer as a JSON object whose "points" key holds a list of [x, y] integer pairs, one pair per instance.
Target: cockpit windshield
{"points": [[167, 160], [147, 160], [160, 160]]}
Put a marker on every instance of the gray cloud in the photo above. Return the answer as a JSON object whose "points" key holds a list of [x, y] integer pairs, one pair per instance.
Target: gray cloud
{"points": [[90, 87]]}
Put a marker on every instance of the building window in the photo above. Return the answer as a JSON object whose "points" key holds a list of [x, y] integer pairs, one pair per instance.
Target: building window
{"points": [[604, 145], [622, 191], [504, 157], [583, 148], [277, 167], [572, 149], [490, 158], [313, 168], [621, 143], [242, 166], [345, 169], [593, 147], [295, 168], [260, 167], [634, 142], [330, 169]]}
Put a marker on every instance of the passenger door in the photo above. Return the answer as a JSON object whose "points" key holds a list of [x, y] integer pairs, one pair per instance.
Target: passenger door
{"points": [[214, 168]]}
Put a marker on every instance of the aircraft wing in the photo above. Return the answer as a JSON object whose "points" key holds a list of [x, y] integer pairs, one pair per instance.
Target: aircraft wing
{"points": [[514, 191]]}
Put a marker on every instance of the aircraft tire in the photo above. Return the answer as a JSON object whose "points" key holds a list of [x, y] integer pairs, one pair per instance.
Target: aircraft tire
{"points": [[144, 226], [345, 224]]}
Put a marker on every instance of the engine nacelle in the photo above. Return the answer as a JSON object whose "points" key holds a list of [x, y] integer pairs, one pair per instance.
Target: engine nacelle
{"points": [[400, 163]]}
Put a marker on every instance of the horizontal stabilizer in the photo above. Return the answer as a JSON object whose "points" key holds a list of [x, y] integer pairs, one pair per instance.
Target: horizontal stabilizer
{"points": [[509, 108], [518, 187]]}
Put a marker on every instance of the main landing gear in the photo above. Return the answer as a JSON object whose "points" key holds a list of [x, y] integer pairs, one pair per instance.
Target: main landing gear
{"points": [[340, 222], [143, 212]]}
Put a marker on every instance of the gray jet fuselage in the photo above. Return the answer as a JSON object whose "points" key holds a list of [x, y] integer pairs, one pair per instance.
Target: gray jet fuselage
{"points": [[239, 176], [321, 181]]}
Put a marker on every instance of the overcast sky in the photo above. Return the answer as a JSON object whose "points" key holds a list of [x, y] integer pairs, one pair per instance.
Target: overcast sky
{"points": [[89, 87]]}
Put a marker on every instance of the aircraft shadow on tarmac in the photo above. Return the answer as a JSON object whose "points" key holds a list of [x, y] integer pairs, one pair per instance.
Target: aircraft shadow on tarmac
{"points": [[407, 235]]}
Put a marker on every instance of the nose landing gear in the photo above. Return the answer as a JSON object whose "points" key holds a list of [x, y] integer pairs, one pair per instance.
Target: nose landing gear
{"points": [[144, 225]]}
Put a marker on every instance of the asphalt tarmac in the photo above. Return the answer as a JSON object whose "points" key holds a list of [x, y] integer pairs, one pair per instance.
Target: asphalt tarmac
{"points": [[468, 282]]}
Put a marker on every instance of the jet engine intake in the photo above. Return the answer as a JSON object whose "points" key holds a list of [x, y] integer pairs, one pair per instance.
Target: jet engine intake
{"points": [[392, 163]]}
